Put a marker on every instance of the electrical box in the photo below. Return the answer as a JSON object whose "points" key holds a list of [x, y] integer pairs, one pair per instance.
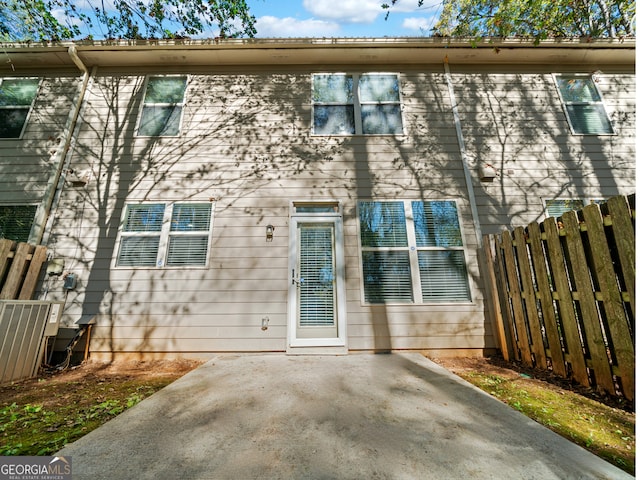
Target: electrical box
{"points": [[70, 281]]}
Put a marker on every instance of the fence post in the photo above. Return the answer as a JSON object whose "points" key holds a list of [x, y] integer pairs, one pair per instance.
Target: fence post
{"points": [[492, 296]]}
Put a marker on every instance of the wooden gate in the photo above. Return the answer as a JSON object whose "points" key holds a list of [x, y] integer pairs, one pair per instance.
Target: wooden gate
{"points": [[565, 294]]}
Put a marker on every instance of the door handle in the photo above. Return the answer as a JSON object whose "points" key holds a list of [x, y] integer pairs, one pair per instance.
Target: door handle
{"points": [[293, 278]]}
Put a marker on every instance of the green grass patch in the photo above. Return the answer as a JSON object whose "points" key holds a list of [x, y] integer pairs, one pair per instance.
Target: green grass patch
{"points": [[42, 420], [607, 432]]}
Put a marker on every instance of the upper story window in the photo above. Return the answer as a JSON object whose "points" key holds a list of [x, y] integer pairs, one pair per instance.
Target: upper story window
{"points": [[356, 104], [165, 234], [162, 107], [16, 221], [412, 252], [16, 98], [583, 105]]}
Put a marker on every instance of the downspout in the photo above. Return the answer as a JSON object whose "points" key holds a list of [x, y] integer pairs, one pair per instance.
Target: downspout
{"points": [[55, 187], [463, 155], [483, 261]]}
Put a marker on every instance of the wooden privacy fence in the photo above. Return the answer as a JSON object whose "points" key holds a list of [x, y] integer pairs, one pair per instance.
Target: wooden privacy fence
{"points": [[564, 294], [20, 266]]}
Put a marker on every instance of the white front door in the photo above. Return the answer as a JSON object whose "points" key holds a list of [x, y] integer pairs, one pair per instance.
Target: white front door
{"points": [[316, 284]]}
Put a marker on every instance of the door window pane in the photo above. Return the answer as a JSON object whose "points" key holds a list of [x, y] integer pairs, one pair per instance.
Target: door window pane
{"points": [[316, 288]]}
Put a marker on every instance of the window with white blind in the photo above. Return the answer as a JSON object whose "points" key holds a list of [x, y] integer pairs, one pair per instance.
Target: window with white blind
{"points": [[162, 107], [16, 221], [412, 252], [356, 104], [165, 234], [16, 98], [583, 105]]}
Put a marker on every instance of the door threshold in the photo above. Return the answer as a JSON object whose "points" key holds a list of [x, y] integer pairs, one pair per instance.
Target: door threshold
{"points": [[318, 350]]}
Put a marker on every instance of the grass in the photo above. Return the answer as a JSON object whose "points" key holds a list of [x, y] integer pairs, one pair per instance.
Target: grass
{"points": [[34, 425], [605, 431]]}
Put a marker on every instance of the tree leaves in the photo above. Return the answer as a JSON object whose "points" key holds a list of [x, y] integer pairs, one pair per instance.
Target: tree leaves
{"points": [[537, 19], [131, 19]]}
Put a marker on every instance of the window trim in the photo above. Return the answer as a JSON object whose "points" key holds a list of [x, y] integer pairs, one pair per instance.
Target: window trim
{"points": [[556, 76], [164, 233], [413, 250], [30, 108], [182, 105], [357, 105]]}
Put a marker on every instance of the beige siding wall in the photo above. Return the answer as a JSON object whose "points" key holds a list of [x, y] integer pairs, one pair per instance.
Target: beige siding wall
{"points": [[27, 164], [515, 122], [246, 147]]}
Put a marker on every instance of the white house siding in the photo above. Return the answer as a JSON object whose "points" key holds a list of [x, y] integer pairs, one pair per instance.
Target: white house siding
{"points": [[515, 122], [27, 165], [246, 147]]}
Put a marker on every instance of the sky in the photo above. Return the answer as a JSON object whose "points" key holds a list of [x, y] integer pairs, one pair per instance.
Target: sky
{"points": [[343, 18]]}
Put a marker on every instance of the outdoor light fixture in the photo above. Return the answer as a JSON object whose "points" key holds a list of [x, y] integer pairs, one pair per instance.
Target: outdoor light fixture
{"points": [[270, 229]]}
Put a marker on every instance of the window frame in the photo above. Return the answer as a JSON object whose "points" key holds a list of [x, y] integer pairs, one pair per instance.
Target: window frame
{"points": [[413, 249], [165, 104], [30, 107], [357, 104], [601, 102], [164, 234]]}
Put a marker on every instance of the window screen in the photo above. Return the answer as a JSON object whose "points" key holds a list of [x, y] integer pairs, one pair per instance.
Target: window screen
{"points": [[16, 221]]}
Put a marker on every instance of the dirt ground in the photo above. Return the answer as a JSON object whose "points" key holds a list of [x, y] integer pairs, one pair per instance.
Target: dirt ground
{"points": [[92, 379], [98, 374]]}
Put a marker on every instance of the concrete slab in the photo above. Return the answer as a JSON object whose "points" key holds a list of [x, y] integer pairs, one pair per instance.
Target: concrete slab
{"points": [[362, 416]]}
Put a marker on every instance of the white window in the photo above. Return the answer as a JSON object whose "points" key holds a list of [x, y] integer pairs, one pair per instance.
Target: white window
{"points": [[583, 105], [412, 252], [556, 207], [16, 221], [162, 107], [355, 104], [159, 235], [16, 98]]}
